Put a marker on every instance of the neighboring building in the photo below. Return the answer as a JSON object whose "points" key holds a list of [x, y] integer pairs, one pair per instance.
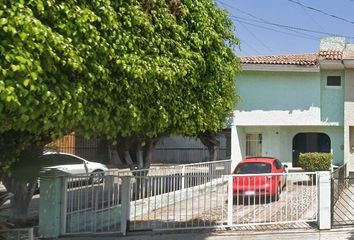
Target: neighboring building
{"points": [[181, 150], [296, 103]]}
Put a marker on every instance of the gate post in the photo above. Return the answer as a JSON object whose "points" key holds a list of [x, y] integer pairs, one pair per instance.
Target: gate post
{"points": [[230, 198], [125, 205], [52, 207], [324, 200]]}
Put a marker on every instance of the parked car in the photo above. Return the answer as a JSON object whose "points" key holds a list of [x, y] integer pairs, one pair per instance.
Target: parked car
{"points": [[259, 177], [73, 164]]}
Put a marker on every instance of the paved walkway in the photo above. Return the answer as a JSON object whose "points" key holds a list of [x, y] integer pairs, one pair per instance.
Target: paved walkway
{"points": [[300, 234]]}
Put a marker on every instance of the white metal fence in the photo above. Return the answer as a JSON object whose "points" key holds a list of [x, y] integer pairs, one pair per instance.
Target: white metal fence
{"points": [[200, 196], [218, 168], [94, 204], [274, 199], [233, 200]]}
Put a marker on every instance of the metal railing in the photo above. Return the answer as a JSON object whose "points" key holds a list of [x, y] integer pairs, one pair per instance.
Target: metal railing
{"points": [[193, 200], [218, 168], [92, 205], [166, 204], [342, 192], [284, 198], [233, 200], [340, 181]]}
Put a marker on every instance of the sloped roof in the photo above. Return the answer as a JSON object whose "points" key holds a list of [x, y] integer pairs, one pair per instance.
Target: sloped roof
{"points": [[306, 59], [294, 59], [330, 54]]}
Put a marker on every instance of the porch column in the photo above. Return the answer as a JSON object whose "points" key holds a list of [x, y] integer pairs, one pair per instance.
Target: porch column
{"points": [[236, 155]]}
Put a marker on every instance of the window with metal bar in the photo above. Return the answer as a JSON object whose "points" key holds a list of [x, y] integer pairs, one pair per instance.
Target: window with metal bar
{"points": [[253, 144]]}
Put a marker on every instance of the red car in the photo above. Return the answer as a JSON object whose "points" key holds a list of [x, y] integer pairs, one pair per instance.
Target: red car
{"points": [[259, 176]]}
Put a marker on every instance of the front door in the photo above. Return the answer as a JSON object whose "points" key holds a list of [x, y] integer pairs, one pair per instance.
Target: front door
{"points": [[310, 142]]}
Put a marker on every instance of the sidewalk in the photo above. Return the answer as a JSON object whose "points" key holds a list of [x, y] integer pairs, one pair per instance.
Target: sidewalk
{"points": [[340, 234]]}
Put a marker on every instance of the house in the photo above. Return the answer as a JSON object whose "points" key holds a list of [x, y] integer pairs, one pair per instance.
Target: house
{"points": [[296, 103]]}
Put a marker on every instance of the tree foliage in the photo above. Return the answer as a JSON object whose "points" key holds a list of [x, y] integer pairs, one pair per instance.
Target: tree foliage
{"points": [[123, 69], [114, 68]]}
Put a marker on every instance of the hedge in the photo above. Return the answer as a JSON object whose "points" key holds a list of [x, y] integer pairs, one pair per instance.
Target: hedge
{"points": [[315, 161]]}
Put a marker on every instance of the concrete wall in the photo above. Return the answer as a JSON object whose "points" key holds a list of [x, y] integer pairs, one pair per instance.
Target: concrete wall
{"points": [[278, 98], [348, 115], [288, 98], [238, 145], [337, 43], [180, 150], [277, 141], [332, 99]]}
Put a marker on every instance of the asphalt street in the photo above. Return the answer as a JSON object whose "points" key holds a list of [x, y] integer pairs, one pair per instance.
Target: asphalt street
{"points": [[338, 234]]}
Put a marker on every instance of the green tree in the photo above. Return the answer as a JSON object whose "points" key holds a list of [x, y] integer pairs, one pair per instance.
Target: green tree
{"points": [[130, 71], [40, 90]]}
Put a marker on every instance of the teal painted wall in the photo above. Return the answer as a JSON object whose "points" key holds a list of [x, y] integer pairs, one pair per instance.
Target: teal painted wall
{"points": [[332, 99], [277, 90], [288, 98], [278, 98], [278, 141]]}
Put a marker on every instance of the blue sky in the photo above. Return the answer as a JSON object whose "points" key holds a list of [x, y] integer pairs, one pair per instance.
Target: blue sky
{"points": [[257, 24]]}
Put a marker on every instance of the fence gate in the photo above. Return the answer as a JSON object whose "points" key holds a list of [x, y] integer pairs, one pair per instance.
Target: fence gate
{"points": [[191, 197], [198, 200], [342, 198], [194, 196]]}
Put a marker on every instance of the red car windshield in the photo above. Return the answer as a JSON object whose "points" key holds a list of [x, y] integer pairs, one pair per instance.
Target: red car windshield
{"points": [[253, 168]]}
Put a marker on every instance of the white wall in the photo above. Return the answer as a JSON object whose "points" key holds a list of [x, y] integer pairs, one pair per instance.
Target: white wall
{"points": [[277, 141]]}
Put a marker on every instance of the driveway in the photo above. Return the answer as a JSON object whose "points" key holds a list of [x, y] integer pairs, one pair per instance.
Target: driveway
{"points": [[297, 206]]}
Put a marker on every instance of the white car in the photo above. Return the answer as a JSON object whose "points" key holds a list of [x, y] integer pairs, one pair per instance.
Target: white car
{"points": [[73, 164]]}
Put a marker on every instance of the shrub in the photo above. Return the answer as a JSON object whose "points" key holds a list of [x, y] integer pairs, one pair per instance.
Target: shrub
{"points": [[315, 161]]}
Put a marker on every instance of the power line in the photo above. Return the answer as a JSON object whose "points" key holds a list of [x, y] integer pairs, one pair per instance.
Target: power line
{"points": [[263, 21], [260, 20], [255, 37], [295, 32], [309, 15], [305, 30], [250, 46], [278, 31], [322, 12]]}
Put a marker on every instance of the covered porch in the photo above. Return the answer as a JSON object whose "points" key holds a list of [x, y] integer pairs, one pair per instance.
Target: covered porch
{"points": [[287, 142]]}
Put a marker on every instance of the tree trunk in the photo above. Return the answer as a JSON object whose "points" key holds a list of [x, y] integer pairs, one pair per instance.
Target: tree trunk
{"points": [[210, 141], [140, 159], [21, 178], [213, 153], [149, 152], [19, 203], [136, 152], [114, 158]]}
